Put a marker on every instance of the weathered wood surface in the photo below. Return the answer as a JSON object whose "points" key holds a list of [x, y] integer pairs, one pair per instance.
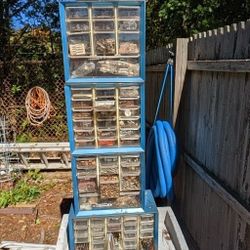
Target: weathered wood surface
{"points": [[220, 65], [158, 55], [213, 127], [152, 90], [218, 189], [156, 61], [212, 223], [180, 73]]}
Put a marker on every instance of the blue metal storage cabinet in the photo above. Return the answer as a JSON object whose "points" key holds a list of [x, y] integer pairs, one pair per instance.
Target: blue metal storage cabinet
{"points": [[104, 65]]}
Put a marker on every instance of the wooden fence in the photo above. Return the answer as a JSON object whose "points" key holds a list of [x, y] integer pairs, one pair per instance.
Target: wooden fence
{"points": [[212, 108]]}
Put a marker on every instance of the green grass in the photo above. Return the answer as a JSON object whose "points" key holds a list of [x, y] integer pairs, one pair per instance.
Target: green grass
{"points": [[26, 189]]}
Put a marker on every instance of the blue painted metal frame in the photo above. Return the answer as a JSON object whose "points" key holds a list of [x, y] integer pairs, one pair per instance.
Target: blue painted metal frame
{"points": [[68, 79], [149, 207]]}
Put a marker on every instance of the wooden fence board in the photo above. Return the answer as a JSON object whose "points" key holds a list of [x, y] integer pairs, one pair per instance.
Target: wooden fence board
{"points": [[220, 65]]}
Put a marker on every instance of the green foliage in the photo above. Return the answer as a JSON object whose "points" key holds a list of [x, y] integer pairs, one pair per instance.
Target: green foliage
{"points": [[15, 89], [24, 137], [34, 175], [169, 19], [26, 189]]}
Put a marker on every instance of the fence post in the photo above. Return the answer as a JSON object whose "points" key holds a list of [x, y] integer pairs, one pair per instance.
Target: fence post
{"points": [[180, 72]]}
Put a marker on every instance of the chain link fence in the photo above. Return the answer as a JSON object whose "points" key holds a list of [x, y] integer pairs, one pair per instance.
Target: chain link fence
{"points": [[21, 77]]}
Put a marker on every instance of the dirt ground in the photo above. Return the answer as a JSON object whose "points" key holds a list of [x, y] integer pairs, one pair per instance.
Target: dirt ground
{"points": [[43, 226]]}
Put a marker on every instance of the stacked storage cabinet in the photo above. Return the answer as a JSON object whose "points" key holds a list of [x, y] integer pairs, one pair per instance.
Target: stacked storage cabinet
{"points": [[104, 63]]}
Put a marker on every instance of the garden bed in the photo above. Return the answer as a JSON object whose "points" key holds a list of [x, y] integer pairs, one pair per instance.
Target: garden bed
{"points": [[42, 225]]}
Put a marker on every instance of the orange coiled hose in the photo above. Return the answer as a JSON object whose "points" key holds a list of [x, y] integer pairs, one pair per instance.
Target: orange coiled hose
{"points": [[38, 106]]}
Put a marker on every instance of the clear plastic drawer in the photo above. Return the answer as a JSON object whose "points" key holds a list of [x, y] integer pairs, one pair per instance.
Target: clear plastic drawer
{"points": [[129, 12], [103, 13], [97, 223], [106, 133], [82, 68], [147, 218], [108, 165], [147, 234], [118, 67], [81, 93], [129, 92], [88, 200], [82, 124], [130, 243], [79, 45], [129, 103], [84, 134], [77, 12], [80, 224], [86, 172], [82, 104], [77, 26], [82, 113], [105, 93], [130, 183], [87, 185], [128, 199], [129, 25], [109, 187], [82, 246], [147, 225], [107, 142], [129, 122], [107, 123], [130, 133], [130, 141], [129, 112], [105, 105], [104, 25], [104, 44], [106, 114], [129, 44], [130, 234], [86, 163], [131, 170], [85, 143], [106, 161]]}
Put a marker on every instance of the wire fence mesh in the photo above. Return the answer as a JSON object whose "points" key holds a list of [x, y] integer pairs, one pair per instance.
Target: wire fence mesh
{"points": [[22, 76]]}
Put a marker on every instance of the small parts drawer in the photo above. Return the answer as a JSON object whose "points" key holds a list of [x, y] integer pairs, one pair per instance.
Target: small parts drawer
{"points": [[104, 25], [103, 13], [77, 13], [77, 26], [129, 92], [87, 185], [108, 165], [109, 187]]}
